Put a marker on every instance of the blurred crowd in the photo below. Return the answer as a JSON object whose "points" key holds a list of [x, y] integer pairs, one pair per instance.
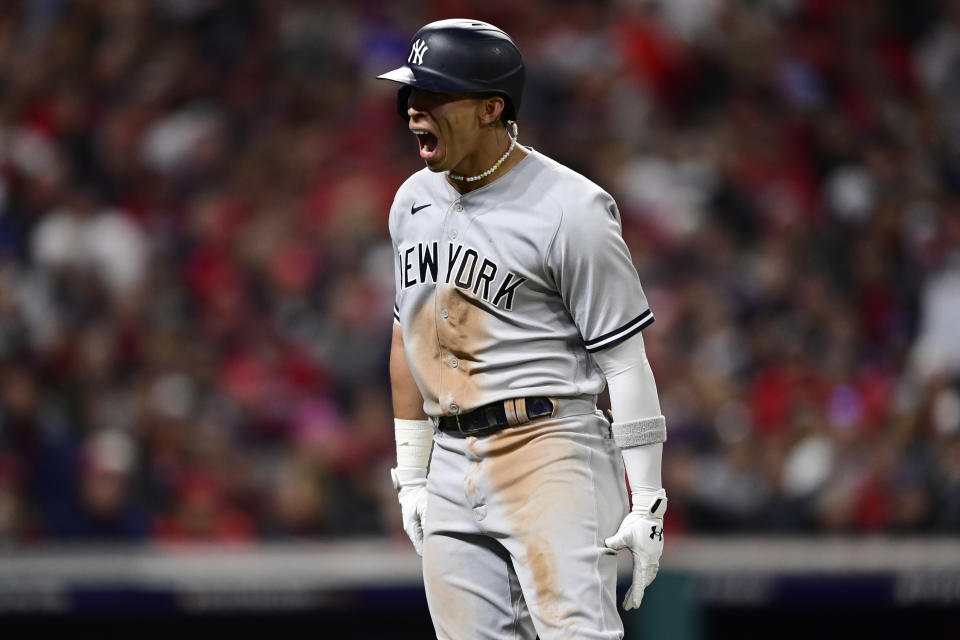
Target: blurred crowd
{"points": [[196, 278]]}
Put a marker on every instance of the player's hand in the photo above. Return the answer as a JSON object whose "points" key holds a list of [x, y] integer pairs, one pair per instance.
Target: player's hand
{"points": [[412, 487], [642, 533]]}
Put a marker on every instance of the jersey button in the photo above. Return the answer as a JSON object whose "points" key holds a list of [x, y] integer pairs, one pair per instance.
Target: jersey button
{"points": [[458, 208], [454, 408], [444, 313], [454, 363], [453, 234]]}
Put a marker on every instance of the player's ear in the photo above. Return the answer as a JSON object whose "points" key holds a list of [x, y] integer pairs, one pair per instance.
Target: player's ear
{"points": [[491, 108]]}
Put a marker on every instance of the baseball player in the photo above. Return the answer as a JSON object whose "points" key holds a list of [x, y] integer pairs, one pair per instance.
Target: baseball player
{"points": [[516, 301]]}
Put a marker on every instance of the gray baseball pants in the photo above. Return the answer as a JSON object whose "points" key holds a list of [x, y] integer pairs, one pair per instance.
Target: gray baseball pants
{"points": [[513, 539]]}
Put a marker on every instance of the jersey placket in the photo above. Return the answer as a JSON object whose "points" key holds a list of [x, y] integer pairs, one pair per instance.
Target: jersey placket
{"points": [[450, 372]]}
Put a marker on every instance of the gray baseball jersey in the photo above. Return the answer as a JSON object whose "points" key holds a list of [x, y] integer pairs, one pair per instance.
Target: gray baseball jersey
{"points": [[502, 292]]}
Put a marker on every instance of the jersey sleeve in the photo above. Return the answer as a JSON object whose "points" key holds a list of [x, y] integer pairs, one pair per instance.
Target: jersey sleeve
{"points": [[392, 224], [396, 279], [593, 271]]}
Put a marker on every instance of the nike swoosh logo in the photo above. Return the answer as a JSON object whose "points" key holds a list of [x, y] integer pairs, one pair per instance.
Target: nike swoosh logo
{"points": [[414, 208]]}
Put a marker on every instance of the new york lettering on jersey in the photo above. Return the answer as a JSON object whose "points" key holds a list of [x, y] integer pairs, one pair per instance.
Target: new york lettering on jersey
{"points": [[465, 268]]}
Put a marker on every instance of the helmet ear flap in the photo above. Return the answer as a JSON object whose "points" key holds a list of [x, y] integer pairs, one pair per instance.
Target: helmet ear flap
{"points": [[403, 97]]}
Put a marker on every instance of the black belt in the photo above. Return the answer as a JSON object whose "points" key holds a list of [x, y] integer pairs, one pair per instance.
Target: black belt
{"points": [[497, 415]]}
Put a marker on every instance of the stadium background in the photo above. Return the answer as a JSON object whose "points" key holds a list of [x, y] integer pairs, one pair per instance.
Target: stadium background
{"points": [[196, 288]]}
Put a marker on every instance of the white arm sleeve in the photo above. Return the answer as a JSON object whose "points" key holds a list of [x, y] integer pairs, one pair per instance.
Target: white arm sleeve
{"points": [[639, 427], [633, 392]]}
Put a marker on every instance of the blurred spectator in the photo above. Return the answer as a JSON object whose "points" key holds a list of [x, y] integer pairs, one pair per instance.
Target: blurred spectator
{"points": [[938, 350], [81, 237], [106, 507], [203, 512], [13, 523]]}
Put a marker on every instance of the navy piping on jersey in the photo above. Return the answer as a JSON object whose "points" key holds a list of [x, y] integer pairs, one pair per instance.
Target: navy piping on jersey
{"points": [[617, 336], [396, 313]]}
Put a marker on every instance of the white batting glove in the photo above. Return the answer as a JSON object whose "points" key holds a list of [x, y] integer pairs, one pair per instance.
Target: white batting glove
{"points": [[411, 485], [642, 533]]}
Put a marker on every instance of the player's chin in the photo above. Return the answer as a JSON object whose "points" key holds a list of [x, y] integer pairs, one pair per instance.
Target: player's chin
{"points": [[435, 162], [436, 167]]}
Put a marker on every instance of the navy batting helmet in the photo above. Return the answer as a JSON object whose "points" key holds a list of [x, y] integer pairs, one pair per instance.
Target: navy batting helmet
{"points": [[461, 56]]}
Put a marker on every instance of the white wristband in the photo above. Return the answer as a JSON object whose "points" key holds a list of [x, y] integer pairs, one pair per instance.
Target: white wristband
{"points": [[652, 504], [638, 433], [414, 442]]}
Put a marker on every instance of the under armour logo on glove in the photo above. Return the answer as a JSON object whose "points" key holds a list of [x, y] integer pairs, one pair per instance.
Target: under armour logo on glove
{"points": [[654, 532]]}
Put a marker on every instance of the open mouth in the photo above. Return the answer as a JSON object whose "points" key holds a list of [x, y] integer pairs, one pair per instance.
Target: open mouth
{"points": [[428, 143]]}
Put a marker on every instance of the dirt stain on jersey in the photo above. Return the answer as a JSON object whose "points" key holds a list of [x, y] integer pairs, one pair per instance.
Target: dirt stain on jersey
{"points": [[462, 333]]}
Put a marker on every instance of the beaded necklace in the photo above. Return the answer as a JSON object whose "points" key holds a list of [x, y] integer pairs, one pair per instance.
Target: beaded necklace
{"points": [[496, 165]]}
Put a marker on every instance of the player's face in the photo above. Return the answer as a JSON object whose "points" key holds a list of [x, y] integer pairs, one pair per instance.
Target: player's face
{"points": [[447, 127]]}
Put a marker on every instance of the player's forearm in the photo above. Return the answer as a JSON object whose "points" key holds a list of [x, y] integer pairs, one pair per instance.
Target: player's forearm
{"points": [[643, 466], [407, 401], [412, 429], [639, 426]]}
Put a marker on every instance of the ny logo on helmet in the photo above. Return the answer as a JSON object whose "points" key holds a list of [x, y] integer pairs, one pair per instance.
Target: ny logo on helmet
{"points": [[416, 52]]}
